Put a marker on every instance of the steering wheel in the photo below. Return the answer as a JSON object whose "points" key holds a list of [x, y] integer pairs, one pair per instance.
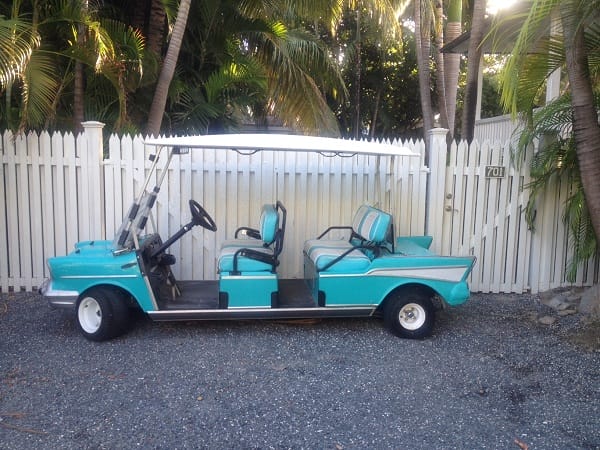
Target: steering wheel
{"points": [[201, 217]]}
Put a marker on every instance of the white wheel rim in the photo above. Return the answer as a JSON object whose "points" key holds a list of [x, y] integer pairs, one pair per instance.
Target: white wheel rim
{"points": [[412, 316], [90, 315]]}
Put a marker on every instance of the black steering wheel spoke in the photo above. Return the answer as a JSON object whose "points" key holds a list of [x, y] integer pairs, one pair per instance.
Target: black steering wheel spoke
{"points": [[201, 217]]}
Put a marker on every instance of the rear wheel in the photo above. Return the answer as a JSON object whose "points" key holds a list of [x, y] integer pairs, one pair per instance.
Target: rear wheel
{"points": [[410, 314], [102, 313]]}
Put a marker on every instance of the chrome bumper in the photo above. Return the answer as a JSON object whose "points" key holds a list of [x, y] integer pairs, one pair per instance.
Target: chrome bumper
{"points": [[57, 298]]}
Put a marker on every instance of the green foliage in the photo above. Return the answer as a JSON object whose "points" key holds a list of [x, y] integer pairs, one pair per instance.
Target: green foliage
{"points": [[38, 90], [17, 41], [221, 99], [556, 159], [46, 41], [526, 70], [537, 53], [240, 62], [387, 84], [491, 87]]}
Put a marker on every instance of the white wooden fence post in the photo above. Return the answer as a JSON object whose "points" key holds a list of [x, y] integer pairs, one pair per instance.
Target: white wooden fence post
{"points": [[436, 191], [92, 156]]}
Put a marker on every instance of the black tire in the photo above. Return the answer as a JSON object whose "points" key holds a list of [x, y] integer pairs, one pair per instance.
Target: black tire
{"points": [[410, 314], [102, 314]]}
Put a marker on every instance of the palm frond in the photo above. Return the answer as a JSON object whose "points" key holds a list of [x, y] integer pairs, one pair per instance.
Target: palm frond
{"points": [[105, 107], [194, 113], [581, 232], [295, 96], [40, 88], [244, 75], [556, 159], [17, 42], [536, 25], [128, 45]]}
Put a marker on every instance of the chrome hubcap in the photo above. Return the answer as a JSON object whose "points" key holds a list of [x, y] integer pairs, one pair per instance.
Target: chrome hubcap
{"points": [[412, 316], [90, 315]]}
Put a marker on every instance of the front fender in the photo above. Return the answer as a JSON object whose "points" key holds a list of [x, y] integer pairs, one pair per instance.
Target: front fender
{"points": [[92, 265]]}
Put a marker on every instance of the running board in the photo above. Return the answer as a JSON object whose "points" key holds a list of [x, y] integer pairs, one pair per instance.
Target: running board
{"points": [[260, 313]]}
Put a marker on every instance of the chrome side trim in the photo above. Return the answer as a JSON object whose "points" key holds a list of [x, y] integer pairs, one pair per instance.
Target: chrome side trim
{"points": [[85, 277], [441, 273], [259, 313], [248, 277]]}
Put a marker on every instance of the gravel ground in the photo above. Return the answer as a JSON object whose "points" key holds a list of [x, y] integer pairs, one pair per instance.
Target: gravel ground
{"points": [[491, 377]]}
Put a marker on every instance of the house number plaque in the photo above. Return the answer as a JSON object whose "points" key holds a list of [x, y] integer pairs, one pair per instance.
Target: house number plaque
{"points": [[495, 171]]}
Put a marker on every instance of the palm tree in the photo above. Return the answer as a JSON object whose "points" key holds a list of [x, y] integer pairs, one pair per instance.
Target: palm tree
{"points": [[248, 35], [537, 54], [149, 16], [387, 81], [422, 16], [474, 59], [168, 70], [429, 19], [440, 66], [586, 130], [17, 43], [452, 61], [556, 159], [46, 74]]}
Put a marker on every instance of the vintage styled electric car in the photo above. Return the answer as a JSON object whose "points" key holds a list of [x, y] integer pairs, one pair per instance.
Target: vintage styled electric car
{"points": [[370, 273]]}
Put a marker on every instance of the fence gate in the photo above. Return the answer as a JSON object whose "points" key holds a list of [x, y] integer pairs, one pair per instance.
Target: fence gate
{"points": [[478, 208], [484, 215]]}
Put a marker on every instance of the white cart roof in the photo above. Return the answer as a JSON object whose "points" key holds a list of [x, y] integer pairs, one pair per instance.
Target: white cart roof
{"points": [[282, 142]]}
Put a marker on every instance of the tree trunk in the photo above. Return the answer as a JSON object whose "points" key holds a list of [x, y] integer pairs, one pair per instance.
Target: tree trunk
{"points": [[440, 78], [375, 112], [357, 71], [156, 27], [474, 59], [423, 41], [161, 93], [150, 16], [585, 117], [139, 14], [78, 81], [452, 62], [78, 93]]}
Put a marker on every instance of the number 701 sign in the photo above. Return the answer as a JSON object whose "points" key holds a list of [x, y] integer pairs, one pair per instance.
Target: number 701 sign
{"points": [[495, 171]]}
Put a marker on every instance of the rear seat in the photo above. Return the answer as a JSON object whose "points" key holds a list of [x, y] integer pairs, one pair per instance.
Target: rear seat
{"points": [[368, 233], [258, 252]]}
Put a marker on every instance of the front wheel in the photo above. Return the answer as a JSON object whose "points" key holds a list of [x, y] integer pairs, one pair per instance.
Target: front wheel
{"points": [[102, 314], [410, 315]]}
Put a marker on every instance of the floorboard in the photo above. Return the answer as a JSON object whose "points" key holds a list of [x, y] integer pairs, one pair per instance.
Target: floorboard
{"points": [[293, 293]]}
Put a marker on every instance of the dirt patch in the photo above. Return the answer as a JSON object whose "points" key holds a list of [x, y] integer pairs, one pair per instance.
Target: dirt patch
{"points": [[587, 337]]}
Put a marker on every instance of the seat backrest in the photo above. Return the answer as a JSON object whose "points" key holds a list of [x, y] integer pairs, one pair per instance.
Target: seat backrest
{"points": [[269, 224], [371, 224], [280, 234]]}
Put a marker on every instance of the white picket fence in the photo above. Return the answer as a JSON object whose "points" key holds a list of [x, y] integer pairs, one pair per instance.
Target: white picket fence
{"points": [[57, 190]]}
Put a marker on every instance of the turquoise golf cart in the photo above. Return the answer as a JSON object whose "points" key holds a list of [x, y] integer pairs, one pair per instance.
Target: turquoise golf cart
{"points": [[369, 273]]}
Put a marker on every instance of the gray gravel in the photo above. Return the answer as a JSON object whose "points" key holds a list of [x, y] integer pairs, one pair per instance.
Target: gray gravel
{"points": [[491, 377]]}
